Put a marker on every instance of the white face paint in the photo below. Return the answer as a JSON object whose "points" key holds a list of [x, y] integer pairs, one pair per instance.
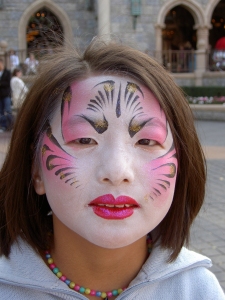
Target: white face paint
{"points": [[108, 161]]}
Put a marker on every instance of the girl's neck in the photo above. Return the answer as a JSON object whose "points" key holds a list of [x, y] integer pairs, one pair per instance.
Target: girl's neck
{"points": [[96, 267]]}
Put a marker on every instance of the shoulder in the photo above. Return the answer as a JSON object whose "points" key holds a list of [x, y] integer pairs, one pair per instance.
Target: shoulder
{"points": [[185, 278], [15, 81], [6, 73], [197, 284]]}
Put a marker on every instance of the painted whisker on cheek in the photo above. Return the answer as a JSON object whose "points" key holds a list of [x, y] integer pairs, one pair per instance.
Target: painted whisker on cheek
{"points": [[164, 183], [157, 191], [163, 169], [168, 173], [56, 160], [162, 186]]}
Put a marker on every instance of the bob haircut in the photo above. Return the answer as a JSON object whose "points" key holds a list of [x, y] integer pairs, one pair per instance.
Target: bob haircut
{"points": [[24, 213], [15, 71]]}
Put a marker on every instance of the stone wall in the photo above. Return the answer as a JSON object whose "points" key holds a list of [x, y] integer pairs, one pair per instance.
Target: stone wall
{"points": [[208, 112], [82, 21], [146, 36]]}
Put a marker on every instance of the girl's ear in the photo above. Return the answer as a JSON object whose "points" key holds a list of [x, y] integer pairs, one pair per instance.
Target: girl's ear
{"points": [[38, 181]]}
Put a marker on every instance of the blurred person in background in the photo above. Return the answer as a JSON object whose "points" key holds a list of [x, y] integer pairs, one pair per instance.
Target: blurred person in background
{"points": [[32, 64], [6, 118], [14, 60], [18, 87]]}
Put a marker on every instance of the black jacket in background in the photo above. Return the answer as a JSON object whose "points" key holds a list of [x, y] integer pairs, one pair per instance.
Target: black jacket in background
{"points": [[5, 90]]}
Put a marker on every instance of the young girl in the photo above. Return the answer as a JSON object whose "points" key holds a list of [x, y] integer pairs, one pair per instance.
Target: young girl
{"points": [[103, 179]]}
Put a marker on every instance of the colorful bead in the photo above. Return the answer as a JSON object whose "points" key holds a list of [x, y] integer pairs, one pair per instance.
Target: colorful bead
{"points": [[92, 293], [115, 292], [72, 285], [55, 270], [63, 278], [103, 295], [82, 289], [59, 274], [50, 260], [109, 294], [87, 291], [52, 266]]}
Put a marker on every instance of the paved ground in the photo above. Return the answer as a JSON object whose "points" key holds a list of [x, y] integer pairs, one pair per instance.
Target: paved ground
{"points": [[208, 232]]}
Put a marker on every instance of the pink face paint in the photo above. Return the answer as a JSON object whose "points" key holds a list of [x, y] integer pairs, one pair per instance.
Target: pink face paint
{"points": [[162, 175], [130, 156], [56, 161]]}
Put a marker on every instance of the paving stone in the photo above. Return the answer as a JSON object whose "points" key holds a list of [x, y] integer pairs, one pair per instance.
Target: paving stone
{"points": [[207, 233]]}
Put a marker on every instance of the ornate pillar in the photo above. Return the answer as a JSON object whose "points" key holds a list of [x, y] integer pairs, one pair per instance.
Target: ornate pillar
{"points": [[201, 53], [103, 17], [158, 42]]}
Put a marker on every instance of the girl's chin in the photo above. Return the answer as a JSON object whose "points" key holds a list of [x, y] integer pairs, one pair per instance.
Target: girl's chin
{"points": [[115, 241]]}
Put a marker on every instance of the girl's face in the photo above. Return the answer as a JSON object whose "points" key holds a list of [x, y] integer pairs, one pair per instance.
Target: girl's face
{"points": [[108, 162]]}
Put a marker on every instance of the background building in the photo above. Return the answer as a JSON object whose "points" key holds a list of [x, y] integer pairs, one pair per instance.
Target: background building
{"points": [[182, 35]]}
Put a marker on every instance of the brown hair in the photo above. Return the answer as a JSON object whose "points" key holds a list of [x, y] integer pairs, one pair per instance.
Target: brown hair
{"points": [[24, 213], [15, 71]]}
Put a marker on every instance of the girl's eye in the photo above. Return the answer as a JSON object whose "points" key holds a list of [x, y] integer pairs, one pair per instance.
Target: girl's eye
{"points": [[146, 142], [85, 141]]}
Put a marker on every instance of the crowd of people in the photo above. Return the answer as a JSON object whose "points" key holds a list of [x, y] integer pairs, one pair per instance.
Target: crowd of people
{"points": [[12, 88]]}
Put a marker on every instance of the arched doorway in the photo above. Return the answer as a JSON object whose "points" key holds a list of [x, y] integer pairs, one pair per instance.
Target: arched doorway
{"points": [[218, 24], [179, 30], [34, 7], [179, 40], [44, 32], [216, 35]]}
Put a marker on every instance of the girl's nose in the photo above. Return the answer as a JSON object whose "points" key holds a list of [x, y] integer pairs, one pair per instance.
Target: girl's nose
{"points": [[116, 167]]}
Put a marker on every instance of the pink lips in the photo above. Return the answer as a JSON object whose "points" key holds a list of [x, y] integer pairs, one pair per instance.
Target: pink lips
{"points": [[107, 207]]}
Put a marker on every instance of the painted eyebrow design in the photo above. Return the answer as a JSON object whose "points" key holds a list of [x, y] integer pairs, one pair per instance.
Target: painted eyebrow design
{"points": [[100, 125], [135, 126]]}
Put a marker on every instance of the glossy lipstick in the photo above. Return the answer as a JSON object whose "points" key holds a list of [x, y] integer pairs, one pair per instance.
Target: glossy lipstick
{"points": [[107, 207]]}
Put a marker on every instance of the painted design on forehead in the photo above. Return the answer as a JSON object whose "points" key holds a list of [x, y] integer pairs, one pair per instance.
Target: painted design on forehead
{"points": [[108, 86], [57, 160], [130, 98], [164, 169], [106, 97]]}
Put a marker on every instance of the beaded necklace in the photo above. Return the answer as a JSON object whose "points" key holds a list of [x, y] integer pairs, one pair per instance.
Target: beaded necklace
{"points": [[81, 289]]}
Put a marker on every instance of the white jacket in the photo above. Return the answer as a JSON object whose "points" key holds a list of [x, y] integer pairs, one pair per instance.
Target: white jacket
{"points": [[25, 276], [19, 91]]}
